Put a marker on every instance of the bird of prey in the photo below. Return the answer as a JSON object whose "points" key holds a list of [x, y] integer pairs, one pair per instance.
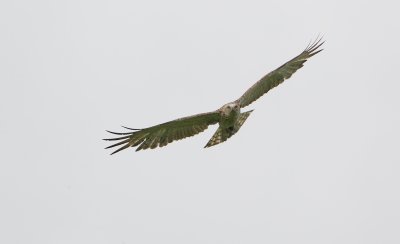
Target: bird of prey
{"points": [[229, 117]]}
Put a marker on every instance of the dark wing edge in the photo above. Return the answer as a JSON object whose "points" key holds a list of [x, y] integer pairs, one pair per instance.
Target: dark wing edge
{"points": [[280, 74], [163, 134]]}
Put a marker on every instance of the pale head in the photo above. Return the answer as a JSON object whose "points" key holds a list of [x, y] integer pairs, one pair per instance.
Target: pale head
{"points": [[228, 108]]}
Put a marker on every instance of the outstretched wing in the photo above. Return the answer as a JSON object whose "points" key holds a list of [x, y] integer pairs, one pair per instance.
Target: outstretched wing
{"points": [[277, 76], [162, 134]]}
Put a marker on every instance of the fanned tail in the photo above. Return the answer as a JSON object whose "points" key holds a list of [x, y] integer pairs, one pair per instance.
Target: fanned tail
{"points": [[223, 134]]}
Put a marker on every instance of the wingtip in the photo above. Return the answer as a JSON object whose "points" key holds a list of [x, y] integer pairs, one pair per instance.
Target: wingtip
{"points": [[314, 45], [119, 133], [128, 128]]}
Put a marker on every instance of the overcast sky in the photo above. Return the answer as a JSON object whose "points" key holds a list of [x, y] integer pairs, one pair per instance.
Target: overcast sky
{"points": [[317, 161]]}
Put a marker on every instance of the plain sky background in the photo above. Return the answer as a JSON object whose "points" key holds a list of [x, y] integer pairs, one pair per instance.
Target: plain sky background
{"points": [[318, 160]]}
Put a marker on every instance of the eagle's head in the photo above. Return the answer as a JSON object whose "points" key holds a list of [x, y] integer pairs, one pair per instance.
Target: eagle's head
{"points": [[230, 108]]}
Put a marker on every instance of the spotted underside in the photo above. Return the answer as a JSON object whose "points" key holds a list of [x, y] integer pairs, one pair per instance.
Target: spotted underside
{"points": [[223, 133]]}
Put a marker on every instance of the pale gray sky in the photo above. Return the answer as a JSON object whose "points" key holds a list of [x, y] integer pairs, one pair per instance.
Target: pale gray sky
{"points": [[317, 161]]}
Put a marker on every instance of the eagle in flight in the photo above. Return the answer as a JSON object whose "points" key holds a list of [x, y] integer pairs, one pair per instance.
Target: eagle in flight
{"points": [[229, 116]]}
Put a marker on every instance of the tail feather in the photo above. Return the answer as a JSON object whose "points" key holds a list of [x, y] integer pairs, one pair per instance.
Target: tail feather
{"points": [[223, 134]]}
